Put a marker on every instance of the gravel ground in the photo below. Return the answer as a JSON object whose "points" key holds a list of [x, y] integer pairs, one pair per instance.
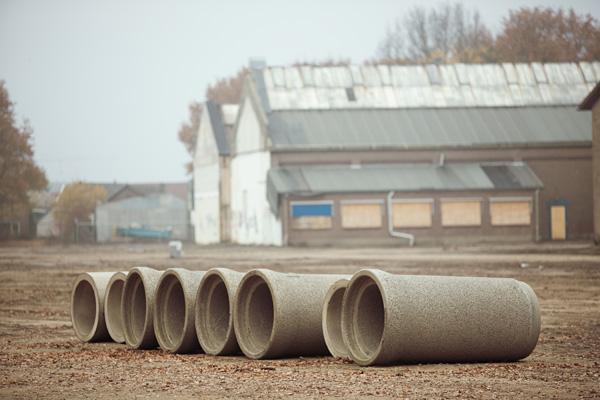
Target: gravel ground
{"points": [[40, 356]]}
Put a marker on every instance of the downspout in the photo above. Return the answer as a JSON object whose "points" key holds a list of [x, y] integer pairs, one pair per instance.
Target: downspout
{"points": [[411, 238], [284, 220], [537, 216]]}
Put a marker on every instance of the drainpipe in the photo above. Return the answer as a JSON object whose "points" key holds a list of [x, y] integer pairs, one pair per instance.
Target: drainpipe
{"points": [[537, 216], [279, 314], [411, 238], [403, 319]]}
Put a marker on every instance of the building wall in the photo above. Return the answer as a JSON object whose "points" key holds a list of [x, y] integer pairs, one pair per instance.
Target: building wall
{"points": [[225, 198], [566, 173], [570, 181], [252, 221], [206, 217], [338, 234], [596, 168]]}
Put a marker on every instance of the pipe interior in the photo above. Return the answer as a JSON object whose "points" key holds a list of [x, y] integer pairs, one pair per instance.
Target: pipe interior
{"points": [[173, 317], [85, 308], [138, 309], [334, 321], [257, 319], [218, 315], [368, 316], [113, 314]]}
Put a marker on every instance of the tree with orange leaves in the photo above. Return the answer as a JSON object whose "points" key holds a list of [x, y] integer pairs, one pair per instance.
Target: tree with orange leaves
{"points": [[548, 35], [19, 174], [77, 201]]}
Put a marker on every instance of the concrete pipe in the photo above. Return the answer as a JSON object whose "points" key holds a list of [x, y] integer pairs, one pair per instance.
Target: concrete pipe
{"points": [[87, 306], [137, 307], [112, 306], [214, 311], [278, 315], [389, 319], [332, 319], [174, 310]]}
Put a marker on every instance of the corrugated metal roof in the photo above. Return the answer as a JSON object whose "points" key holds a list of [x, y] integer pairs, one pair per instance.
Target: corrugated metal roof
{"points": [[441, 127], [326, 179], [425, 86]]}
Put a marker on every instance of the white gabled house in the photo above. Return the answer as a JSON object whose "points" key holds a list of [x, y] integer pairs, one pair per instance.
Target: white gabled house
{"points": [[211, 177], [252, 221]]}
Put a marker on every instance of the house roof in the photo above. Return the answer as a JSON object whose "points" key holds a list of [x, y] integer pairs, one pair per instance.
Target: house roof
{"points": [[591, 99], [327, 179], [179, 190], [214, 113], [421, 128], [423, 86]]}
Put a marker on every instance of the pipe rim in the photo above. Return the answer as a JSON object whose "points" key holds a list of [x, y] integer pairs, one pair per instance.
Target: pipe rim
{"points": [[364, 317], [332, 319], [84, 323], [170, 311], [214, 313], [113, 315], [133, 299], [254, 292]]}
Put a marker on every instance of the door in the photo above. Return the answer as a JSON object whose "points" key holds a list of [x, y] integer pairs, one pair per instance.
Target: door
{"points": [[558, 221]]}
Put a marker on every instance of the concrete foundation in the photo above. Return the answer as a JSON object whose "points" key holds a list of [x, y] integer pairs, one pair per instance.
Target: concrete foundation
{"points": [[279, 315], [174, 312], [137, 307], [389, 319], [87, 306], [332, 319], [112, 306], [214, 311]]}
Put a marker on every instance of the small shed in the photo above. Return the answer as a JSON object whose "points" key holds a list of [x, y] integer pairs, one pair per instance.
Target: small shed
{"points": [[154, 216]]}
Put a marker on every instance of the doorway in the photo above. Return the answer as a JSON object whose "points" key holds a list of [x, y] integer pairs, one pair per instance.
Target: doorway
{"points": [[558, 220]]}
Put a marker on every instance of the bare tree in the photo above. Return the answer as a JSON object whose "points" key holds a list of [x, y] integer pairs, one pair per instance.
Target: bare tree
{"points": [[448, 33]]}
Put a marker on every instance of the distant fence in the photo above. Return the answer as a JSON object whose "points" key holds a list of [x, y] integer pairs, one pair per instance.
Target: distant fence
{"points": [[86, 232]]}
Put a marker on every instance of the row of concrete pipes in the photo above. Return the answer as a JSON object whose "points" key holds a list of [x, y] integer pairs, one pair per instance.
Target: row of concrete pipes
{"points": [[372, 317]]}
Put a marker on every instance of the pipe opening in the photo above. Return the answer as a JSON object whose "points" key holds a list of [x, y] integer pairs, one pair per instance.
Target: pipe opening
{"points": [[173, 312], [85, 308], [218, 316], [112, 312], [366, 319], [333, 323], [257, 315], [137, 309]]}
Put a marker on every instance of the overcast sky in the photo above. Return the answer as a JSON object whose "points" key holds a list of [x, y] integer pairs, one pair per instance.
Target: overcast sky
{"points": [[106, 84]]}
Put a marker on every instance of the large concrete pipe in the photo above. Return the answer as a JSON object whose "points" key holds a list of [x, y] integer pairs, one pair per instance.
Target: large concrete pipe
{"points": [[332, 319], [174, 310], [137, 307], [277, 314], [87, 306], [390, 319], [112, 306], [214, 311]]}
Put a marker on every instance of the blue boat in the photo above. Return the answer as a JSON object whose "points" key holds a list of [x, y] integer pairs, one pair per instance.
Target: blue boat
{"points": [[143, 232]]}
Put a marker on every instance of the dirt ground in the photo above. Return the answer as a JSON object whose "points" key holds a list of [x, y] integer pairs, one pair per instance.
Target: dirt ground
{"points": [[40, 356]]}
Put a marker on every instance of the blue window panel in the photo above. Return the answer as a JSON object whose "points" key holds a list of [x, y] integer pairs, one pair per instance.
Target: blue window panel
{"points": [[312, 210]]}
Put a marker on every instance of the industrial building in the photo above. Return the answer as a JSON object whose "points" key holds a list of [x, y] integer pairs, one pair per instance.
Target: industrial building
{"points": [[434, 153]]}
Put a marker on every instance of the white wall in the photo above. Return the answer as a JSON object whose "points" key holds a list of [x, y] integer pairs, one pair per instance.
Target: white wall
{"points": [[206, 213], [252, 221]]}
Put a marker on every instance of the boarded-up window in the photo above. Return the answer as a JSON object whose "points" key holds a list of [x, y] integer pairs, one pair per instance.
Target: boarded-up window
{"points": [[461, 213], [359, 216], [511, 213], [411, 215], [311, 216]]}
